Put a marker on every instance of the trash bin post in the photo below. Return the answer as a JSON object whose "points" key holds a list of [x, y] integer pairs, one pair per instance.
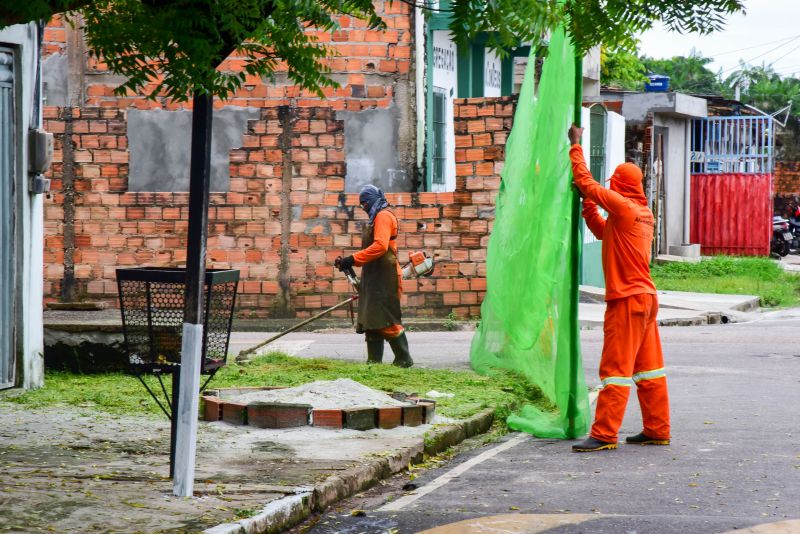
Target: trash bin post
{"points": [[152, 305]]}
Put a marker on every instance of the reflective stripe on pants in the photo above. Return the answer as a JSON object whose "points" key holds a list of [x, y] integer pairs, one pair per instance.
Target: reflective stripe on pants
{"points": [[632, 354]]}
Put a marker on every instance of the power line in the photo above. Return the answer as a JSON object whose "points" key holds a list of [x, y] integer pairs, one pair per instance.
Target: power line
{"points": [[784, 55], [754, 46], [761, 55]]}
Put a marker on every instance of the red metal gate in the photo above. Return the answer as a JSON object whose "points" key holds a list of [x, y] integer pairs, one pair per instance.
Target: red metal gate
{"points": [[732, 213]]}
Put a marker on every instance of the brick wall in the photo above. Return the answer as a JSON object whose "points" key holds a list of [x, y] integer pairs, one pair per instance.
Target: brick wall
{"points": [[284, 220], [367, 64], [786, 187], [787, 178]]}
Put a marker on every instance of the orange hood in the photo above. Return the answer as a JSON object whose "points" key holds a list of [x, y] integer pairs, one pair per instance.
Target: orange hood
{"points": [[627, 181]]}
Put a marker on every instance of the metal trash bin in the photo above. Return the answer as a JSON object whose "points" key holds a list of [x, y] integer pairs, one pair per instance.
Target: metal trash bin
{"points": [[152, 302]]}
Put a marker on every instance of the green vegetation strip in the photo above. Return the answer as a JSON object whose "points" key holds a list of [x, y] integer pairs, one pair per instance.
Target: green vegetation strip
{"points": [[123, 395], [727, 274]]}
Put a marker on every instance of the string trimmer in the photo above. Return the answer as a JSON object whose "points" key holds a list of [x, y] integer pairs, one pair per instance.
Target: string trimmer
{"points": [[354, 282]]}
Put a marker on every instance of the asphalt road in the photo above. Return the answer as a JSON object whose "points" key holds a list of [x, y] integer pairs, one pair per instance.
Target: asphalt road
{"points": [[734, 461]]}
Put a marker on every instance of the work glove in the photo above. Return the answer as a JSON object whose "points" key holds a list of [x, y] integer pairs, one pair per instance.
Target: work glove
{"points": [[344, 264]]}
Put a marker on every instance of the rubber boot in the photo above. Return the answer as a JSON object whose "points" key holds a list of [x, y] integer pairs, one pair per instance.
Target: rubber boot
{"points": [[374, 348], [591, 445], [399, 344], [643, 439]]}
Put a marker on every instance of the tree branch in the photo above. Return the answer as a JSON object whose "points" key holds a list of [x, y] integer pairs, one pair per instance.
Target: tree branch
{"points": [[22, 12]]}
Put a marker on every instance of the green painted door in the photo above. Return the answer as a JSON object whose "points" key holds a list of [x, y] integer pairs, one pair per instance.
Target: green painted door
{"points": [[591, 266], [7, 258]]}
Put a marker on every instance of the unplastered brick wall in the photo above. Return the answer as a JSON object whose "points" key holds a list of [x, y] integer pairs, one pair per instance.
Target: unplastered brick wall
{"points": [[377, 86], [787, 178], [786, 187], [284, 219], [366, 63]]}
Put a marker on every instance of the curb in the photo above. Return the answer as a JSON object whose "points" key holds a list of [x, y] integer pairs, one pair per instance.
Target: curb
{"points": [[288, 511], [698, 320], [275, 517]]}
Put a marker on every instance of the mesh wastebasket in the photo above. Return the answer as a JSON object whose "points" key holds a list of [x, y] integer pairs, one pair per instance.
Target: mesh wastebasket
{"points": [[152, 302]]}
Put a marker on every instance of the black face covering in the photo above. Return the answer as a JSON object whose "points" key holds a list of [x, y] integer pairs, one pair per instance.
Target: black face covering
{"points": [[372, 200]]}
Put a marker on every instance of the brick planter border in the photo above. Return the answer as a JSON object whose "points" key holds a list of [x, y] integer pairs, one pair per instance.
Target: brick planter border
{"points": [[218, 406]]}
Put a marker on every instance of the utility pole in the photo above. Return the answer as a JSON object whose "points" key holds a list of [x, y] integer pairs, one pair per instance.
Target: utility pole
{"points": [[185, 406], [577, 242]]}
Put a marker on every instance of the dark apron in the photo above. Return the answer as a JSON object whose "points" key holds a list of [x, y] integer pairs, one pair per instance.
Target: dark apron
{"points": [[378, 300]]}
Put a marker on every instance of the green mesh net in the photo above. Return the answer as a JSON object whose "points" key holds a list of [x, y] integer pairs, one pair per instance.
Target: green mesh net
{"points": [[529, 315]]}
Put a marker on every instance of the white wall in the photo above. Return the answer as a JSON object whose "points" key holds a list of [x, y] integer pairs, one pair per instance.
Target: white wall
{"points": [[615, 142], [445, 76], [29, 211], [491, 73], [674, 178], [419, 72], [615, 150], [591, 74], [586, 141]]}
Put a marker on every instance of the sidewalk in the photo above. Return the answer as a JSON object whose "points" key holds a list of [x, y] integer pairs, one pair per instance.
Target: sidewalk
{"points": [[87, 339], [676, 308], [70, 470], [65, 470], [790, 263]]}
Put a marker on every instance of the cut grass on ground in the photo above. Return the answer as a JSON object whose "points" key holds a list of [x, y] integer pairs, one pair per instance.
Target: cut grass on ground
{"points": [[123, 395], [733, 275]]}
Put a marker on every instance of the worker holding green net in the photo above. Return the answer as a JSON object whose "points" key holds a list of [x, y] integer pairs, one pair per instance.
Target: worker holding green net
{"points": [[631, 345]]}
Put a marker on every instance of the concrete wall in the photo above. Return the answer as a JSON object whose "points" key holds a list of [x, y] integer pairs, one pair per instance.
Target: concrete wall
{"points": [[160, 141], [371, 150], [445, 80], [674, 178], [29, 211], [591, 74], [636, 106]]}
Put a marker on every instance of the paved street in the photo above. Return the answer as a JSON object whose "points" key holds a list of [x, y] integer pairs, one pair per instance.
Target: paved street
{"points": [[734, 461]]}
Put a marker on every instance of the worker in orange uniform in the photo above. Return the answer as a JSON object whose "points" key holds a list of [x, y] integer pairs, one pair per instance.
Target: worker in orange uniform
{"points": [[379, 295], [631, 348]]}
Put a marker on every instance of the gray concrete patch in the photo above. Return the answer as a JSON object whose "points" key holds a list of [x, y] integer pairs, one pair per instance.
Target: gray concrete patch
{"points": [[371, 150], [55, 81], [159, 147]]}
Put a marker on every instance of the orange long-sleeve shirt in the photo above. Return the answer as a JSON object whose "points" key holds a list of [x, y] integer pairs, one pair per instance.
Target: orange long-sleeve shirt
{"points": [[627, 234], [385, 227]]}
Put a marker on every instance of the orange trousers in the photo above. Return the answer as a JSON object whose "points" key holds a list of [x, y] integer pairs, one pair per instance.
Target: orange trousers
{"points": [[632, 355], [390, 332]]}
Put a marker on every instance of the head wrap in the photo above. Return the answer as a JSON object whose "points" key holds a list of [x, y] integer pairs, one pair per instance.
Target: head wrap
{"points": [[627, 181], [374, 199]]}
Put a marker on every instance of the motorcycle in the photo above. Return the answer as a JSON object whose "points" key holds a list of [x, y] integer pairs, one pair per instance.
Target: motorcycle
{"points": [[781, 236], [794, 227]]}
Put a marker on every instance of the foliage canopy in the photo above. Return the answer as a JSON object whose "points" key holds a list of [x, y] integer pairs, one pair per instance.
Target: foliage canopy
{"points": [[174, 48], [686, 73]]}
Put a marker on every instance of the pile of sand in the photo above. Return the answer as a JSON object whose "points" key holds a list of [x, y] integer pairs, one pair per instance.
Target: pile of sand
{"points": [[324, 395]]}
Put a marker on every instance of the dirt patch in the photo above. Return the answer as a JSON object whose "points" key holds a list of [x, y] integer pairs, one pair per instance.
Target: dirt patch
{"points": [[324, 395], [69, 472]]}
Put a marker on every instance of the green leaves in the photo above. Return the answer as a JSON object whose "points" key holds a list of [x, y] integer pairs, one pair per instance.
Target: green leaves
{"points": [[507, 23], [689, 74], [613, 23], [174, 48], [765, 89], [616, 22], [621, 68]]}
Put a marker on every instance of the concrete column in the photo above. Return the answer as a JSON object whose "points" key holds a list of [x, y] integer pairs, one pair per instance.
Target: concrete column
{"points": [[186, 410]]}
